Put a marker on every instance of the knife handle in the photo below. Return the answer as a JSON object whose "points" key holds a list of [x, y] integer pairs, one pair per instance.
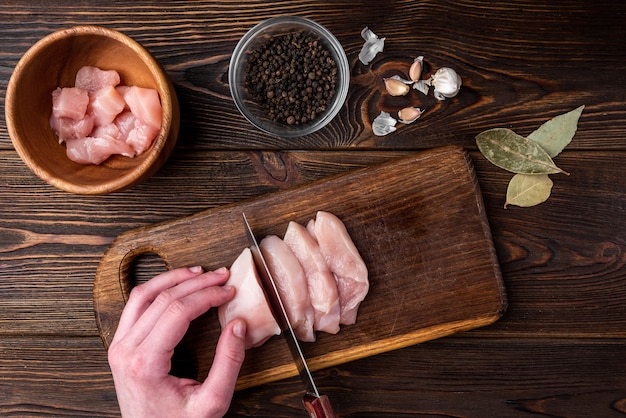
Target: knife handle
{"points": [[318, 407]]}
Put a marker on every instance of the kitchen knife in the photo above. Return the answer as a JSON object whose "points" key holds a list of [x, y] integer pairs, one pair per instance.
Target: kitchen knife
{"points": [[318, 406]]}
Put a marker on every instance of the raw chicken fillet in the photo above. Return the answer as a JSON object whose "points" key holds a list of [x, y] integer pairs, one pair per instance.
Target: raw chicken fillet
{"points": [[292, 285], [344, 261], [318, 272], [320, 280], [109, 118], [250, 302]]}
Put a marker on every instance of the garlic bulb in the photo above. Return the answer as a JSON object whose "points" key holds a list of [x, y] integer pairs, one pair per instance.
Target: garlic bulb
{"points": [[446, 82]]}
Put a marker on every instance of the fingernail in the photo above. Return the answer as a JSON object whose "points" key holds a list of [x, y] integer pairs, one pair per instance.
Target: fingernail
{"points": [[221, 270], [240, 329], [196, 269]]}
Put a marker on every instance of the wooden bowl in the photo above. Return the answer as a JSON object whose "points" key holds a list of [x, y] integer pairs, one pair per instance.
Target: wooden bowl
{"points": [[53, 62]]}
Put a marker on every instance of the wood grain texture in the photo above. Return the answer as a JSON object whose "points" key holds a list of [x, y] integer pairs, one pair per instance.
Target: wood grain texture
{"points": [[418, 222], [520, 64], [466, 377], [559, 348], [51, 242], [55, 376], [453, 376]]}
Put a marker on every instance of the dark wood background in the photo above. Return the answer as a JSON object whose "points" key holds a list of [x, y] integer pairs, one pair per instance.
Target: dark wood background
{"points": [[560, 348]]}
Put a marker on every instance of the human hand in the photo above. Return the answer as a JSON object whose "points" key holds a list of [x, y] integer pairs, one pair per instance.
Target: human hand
{"points": [[152, 324]]}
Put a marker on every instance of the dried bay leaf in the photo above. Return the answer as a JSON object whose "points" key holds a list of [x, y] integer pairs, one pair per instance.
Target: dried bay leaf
{"points": [[510, 151], [557, 133], [530, 158], [527, 190]]}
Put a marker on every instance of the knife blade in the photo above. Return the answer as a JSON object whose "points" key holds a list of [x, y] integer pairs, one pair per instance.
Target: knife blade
{"points": [[318, 406]]}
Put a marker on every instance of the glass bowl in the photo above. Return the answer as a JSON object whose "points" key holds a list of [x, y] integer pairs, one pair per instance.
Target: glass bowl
{"points": [[258, 113]]}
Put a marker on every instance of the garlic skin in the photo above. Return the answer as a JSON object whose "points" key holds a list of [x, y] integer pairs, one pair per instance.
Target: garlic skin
{"points": [[368, 35], [383, 124], [422, 86], [409, 114], [372, 46], [415, 72], [396, 86], [446, 82]]}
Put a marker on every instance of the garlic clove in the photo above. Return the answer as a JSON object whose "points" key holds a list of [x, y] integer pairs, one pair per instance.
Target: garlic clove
{"points": [[409, 114], [446, 82], [383, 124], [372, 46], [396, 86], [415, 72]]}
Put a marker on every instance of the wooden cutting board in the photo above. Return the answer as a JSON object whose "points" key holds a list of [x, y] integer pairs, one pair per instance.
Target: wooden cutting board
{"points": [[419, 223]]}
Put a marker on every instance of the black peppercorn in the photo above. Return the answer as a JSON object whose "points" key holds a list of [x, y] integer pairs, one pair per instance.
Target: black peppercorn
{"points": [[292, 76]]}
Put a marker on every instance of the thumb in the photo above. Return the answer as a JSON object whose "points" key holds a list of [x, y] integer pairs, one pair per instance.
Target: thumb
{"points": [[229, 356]]}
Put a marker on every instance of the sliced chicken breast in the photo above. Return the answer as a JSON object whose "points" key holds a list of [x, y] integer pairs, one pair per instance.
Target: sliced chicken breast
{"points": [[344, 261], [291, 284], [320, 281], [250, 302]]}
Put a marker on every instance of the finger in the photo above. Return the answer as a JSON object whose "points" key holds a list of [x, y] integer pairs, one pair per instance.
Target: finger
{"points": [[149, 300], [172, 325], [229, 356], [141, 296], [143, 326]]}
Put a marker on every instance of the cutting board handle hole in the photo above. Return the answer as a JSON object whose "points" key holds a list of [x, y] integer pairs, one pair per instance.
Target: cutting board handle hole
{"points": [[145, 266], [138, 268]]}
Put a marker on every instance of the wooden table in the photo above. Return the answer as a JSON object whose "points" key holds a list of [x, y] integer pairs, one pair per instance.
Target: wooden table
{"points": [[560, 348]]}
